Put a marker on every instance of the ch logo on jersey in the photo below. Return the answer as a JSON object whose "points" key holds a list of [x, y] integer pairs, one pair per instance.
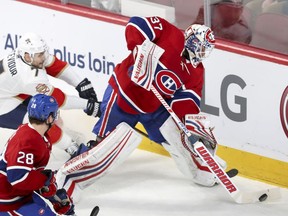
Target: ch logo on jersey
{"points": [[42, 88], [167, 82]]}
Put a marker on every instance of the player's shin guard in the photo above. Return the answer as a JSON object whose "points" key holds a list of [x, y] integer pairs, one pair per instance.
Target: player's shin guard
{"points": [[85, 169]]}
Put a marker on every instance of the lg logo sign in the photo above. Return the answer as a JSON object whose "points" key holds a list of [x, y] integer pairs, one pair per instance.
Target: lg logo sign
{"points": [[242, 102], [239, 116], [284, 111]]}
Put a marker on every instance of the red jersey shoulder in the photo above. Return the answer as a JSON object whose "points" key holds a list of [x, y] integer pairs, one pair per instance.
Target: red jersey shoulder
{"points": [[26, 132], [27, 139]]}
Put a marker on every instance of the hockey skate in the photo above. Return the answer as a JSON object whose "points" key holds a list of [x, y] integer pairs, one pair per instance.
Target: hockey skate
{"points": [[76, 150]]}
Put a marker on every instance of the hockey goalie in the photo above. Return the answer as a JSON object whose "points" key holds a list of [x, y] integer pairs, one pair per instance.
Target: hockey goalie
{"points": [[162, 58]]}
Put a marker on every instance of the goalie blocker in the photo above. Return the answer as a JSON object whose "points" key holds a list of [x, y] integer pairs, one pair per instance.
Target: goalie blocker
{"points": [[83, 170]]}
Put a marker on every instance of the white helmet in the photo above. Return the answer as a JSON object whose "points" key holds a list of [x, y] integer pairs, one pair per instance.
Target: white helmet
{"points": [[31, 43], [199, 42]]}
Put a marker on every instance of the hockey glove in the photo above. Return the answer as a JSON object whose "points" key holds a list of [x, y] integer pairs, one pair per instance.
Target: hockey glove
{"points": [[92, 143], [198, 125], [86, 90], [62, 203], [93, 108], [50, 186]]}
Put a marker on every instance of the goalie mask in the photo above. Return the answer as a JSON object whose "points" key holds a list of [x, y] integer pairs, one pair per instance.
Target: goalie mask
{"points": [[32, 44], [199, 42]]}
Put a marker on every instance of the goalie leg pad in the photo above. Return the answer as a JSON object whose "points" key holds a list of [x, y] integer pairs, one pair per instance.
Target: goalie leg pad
{"points": [[188, 163], [88, 167]]}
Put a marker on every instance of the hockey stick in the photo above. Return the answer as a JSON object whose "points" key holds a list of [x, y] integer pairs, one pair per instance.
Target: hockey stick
{"points": [[224, 179], [141, 69]]}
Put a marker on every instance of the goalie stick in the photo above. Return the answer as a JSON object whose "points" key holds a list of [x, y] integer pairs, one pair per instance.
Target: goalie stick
{"points": [[149, 51]]}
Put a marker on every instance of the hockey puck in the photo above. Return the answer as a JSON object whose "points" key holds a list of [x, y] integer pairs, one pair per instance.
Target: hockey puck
{"points": [[95, 211], [233, 172], [263, 197]]}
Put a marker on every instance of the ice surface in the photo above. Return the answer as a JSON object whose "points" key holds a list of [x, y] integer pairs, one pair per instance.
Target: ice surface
{"points": [[147, 184]]}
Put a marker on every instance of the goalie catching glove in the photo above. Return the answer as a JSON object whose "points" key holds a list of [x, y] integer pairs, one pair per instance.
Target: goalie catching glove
{"points": [[198, 125], [86, 90]]}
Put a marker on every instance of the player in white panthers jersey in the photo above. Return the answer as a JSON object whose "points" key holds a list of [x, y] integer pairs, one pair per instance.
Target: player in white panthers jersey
{"points": [[24, 73]]}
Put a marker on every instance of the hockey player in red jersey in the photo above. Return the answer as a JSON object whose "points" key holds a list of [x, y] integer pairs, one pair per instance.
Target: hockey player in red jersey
{"points": [[24, 73], [179, 77], [24, 181]]}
